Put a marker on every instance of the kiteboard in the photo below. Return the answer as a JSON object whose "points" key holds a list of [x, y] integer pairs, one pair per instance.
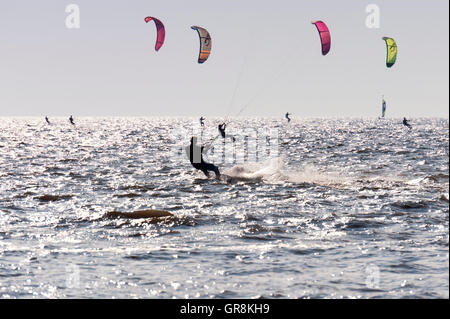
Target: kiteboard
{"points": [[227, 179], [234, 179]]}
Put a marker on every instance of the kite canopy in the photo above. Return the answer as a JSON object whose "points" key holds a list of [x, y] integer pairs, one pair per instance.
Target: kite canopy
{"points": [[391, 55], [161, 32], [325, 37], [205, 43]]}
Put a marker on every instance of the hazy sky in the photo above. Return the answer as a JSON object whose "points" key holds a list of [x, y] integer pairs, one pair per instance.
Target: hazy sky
{"points": [[268, 52]]}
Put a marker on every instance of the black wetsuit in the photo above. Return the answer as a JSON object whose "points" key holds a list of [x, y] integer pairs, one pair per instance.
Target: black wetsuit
{"points": [[203, 166], [405, 122], [201, 121], [71, 120], [46, 119], [287, 116], [222, 129]]}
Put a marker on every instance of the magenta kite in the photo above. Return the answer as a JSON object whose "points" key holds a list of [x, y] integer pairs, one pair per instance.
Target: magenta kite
{"points": [[160, 30], [325, 37]]}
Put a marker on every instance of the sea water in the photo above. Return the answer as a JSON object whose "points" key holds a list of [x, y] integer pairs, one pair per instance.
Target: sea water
{"points": [[319, 208]]}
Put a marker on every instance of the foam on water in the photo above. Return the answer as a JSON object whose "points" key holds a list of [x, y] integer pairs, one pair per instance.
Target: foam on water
{"points": [[275, 170]]}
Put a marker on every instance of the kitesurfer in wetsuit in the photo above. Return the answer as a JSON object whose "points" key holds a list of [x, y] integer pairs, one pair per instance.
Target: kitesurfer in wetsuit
{"points": [[222, 128], [201, 121], [71, 120], [287, 117], [405, 122], [195, 155], [46, 119]]}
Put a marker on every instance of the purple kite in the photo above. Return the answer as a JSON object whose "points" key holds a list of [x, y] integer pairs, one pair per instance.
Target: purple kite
{"points": [[324, 36], [161, 32]]}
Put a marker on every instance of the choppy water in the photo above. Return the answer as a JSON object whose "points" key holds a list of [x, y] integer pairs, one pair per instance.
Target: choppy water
{"points": [[349, 208]]}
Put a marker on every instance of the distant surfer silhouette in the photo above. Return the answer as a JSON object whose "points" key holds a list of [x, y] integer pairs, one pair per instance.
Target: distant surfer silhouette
{"points": [[287, 117], [46, 119], [405, 122], [71, 120], [383, 108], [195, 155], [222, 128], [201, 121]]}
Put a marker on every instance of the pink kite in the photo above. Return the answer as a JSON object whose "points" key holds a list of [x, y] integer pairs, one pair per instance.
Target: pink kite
{"points": [[161, 32], [324, 36]]}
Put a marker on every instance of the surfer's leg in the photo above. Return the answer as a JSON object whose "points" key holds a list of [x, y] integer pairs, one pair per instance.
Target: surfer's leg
{"points": [[201, 167], [211, 167], [216, 171], [205, 171]]}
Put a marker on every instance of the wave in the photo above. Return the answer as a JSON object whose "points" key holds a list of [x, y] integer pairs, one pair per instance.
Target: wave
{"points": [[149, 213], [410, 204], [438, 178], [128, 195], [269, 170], [53, 198], [275, 170]]}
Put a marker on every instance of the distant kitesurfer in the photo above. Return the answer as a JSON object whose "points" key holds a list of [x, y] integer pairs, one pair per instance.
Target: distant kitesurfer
{"points": [[222, 128], [201, 121], [287, 117], [71, 120], [405, 122], [195, 155], [46, 119]]}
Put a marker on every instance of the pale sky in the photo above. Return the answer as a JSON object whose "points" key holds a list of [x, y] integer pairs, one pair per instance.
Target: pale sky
{"points": [[268, 52]]}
